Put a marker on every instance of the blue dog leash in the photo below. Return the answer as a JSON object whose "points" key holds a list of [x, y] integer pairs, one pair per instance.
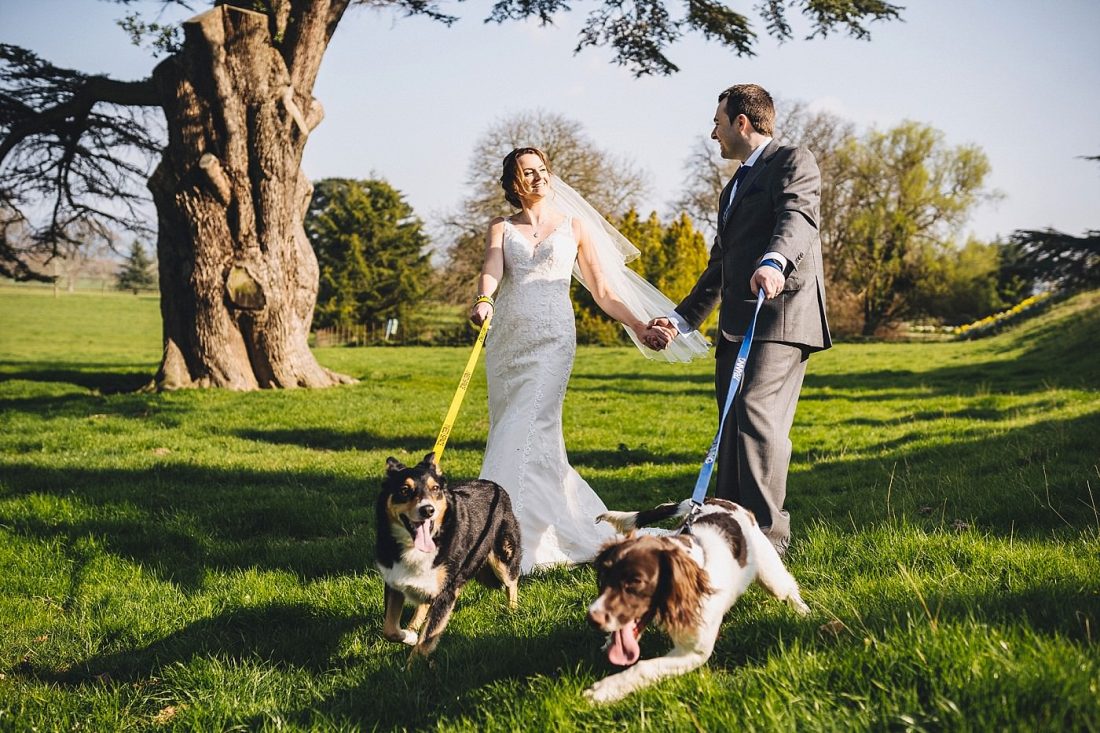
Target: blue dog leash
{"points": [[702, 483]]}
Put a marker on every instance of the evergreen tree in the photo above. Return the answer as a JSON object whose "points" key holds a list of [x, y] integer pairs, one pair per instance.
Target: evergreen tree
{"points": [[137, 271], [685, 256], [646, 236], [370, 251]]}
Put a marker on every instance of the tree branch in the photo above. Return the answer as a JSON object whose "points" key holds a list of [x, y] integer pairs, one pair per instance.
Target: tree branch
{"points": [[58, 145]]}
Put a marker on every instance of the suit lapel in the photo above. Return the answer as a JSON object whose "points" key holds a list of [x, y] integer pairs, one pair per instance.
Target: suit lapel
{"points": [[753, 175], [723, 200]]}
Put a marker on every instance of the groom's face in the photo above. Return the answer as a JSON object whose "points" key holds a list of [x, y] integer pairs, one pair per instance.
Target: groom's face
{"points": [[726, 133]]}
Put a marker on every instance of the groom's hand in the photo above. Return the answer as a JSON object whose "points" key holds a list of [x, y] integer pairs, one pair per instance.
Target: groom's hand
{"points": [[659, 333], [769, 279], [665, 324]]}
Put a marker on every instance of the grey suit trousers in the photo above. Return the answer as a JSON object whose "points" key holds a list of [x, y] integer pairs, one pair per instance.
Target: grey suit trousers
{"points": [[755, 451]]}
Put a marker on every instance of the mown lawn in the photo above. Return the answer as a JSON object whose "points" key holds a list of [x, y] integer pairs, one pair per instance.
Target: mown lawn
{"points": [[204, 560]]}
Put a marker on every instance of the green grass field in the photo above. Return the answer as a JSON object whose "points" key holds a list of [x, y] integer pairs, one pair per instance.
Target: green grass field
{"points": [[203, 560]]}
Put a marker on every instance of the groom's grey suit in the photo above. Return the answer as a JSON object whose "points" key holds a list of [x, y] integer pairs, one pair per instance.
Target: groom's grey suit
{"points": [[775, 209]]}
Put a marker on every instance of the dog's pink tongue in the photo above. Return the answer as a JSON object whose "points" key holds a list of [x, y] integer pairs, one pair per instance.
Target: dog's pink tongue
{"points": [[624, 650], [423, 539]]}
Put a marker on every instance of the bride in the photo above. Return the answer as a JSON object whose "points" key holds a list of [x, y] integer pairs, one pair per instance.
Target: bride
{"points": [[532, 342]]}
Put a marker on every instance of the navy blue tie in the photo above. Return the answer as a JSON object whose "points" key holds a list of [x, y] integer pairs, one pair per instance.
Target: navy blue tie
{"points": [[737, 178]]}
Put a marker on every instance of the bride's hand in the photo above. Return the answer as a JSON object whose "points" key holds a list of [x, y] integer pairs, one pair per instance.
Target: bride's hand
{"points": [[654, 337], [479, 312]]}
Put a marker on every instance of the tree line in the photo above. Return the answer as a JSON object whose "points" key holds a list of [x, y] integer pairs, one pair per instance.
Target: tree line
{"points": [[894, 205], [217, 131]]}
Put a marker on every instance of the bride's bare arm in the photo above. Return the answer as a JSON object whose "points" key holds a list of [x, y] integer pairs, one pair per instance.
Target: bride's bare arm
{"points": [[491, 271], [605, 297]]}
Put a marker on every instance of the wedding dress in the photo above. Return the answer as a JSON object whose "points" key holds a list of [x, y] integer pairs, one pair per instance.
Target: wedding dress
{"points": [[528, 359]]}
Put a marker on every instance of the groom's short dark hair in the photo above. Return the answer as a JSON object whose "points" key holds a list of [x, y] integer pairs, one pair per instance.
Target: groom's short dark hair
{"points": [[753, 101]]}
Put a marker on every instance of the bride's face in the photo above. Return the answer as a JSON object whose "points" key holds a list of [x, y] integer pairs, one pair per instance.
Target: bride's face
{"points": [[535, 174]]}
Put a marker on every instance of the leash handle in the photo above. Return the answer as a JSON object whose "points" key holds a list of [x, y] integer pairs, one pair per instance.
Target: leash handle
{"points": [[463, 384], [701, 483]]}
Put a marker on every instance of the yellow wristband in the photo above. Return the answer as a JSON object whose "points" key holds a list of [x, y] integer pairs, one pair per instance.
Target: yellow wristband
{"points": [[485, 299]]}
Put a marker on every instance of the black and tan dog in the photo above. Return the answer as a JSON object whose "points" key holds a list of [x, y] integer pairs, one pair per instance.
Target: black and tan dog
{"points": [[432, 538]]}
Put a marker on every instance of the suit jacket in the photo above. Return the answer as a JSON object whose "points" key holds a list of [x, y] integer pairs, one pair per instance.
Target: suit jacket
{"points": [[776, 209]]}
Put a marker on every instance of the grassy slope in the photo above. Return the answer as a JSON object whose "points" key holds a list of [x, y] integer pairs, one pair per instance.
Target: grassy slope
{"points": [[202, 560]]}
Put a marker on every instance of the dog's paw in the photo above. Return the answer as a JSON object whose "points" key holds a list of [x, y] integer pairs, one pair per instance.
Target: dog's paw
{"points": [[403, 636], [604, 692], [799, 605]]}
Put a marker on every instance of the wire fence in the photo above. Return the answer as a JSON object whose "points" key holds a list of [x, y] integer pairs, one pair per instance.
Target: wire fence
{"points": [[429, 329]]}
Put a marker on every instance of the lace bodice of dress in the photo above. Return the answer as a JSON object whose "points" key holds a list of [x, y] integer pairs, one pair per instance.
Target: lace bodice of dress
{"points": [[534, 292]]}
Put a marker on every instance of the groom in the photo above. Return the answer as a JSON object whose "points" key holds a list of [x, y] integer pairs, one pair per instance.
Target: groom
{"points": [[767, 239]]}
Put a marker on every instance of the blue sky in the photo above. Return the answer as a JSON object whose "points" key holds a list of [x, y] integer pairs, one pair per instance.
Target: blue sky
{"points": [[406, 98]]}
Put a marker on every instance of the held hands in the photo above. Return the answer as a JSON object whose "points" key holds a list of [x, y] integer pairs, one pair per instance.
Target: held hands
{"points": [[768, 278], [657, 334]]}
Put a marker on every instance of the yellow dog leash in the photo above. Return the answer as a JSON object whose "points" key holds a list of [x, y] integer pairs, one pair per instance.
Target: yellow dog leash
{"points": [[464, 383]]}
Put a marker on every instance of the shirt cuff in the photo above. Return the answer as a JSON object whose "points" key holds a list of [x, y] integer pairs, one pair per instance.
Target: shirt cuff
{"points": [[777, 257], [681, 325]]}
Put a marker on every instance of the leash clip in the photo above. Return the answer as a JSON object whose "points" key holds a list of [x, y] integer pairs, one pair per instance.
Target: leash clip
{"points": [[696, 508]]}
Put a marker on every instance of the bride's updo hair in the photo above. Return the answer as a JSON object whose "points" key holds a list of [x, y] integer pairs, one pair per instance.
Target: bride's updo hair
{"points": [[512, 179]]}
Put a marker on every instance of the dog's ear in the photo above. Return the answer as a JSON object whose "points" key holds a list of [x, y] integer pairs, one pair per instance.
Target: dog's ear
{"points": [[682, 587], [393, 466], [430, 460]]}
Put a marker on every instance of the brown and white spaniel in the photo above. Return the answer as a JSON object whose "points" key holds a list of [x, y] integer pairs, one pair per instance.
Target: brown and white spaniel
{"points": [[685, 582]]}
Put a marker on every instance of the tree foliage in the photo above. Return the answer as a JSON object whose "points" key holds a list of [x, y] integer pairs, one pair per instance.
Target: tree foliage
{"points": [[671, 256], [239, 280], [1051, 259], [137, 271], [898, 194], [960, 284], [70, 138], [640, 32], [370, 250], [74, 145]]}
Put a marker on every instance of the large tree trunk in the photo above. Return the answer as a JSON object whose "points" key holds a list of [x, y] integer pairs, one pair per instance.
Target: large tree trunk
{"points": [[238, 275]]}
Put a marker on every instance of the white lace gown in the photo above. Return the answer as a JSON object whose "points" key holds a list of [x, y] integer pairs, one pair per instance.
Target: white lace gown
{"points": [[528, 359]]}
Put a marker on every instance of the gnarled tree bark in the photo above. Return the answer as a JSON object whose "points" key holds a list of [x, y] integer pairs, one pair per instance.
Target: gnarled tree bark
{"points": [[238, 275]]}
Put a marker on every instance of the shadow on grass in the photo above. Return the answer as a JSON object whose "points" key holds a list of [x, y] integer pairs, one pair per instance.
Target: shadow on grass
{"points": [[627, 382], [297, 635], [1051, 461], [133, 404], [481, 680], [625, 456], [102, 378], [180, 521], [1049, 358], [402, 447], [453, 685]]}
